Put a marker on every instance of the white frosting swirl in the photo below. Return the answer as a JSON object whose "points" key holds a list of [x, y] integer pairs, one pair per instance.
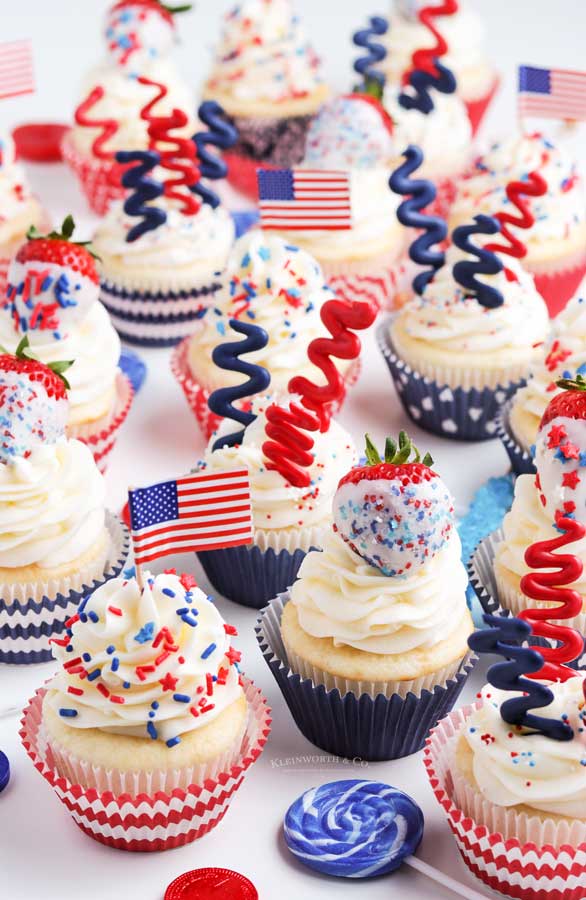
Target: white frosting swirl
{"points": [[557, 213], [264, 55], [19, 209], [160, 678], [444, 135], [513, 769], [51, 506], [340, 596], [124, 97], [94, 347], [276, 504]]}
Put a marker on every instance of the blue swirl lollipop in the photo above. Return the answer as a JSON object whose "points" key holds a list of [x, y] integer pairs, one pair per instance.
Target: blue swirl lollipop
{"points": [[360, 829]]}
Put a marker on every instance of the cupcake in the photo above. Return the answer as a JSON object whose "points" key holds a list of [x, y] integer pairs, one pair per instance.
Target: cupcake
{"points": [[267, 78], [466, 56], [158, 276], [138, 37], [354, 134], [514, 797], [455, 361], [369, 646], [146, 711], [560, 453], [52, 299], [56, 541], [556, 243], [19, 208], [281, 289], [288, 521]]}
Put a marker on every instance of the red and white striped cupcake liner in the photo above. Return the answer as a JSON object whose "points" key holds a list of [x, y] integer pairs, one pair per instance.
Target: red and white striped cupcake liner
{"points": [[532, 870], [197, 396], [101, 439], [381, 283], [98, 178], [144, 822]]}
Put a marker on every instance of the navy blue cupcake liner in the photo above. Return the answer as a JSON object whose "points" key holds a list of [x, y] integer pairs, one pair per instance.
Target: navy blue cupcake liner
{"points": [[26, 627], [160, 319], [456, 413], [250, 576], [521, 461], [483, 581], [373, 728]]}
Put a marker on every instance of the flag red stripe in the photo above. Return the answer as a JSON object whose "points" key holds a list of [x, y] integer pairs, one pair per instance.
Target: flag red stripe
{"points": [[170, 542], [211, 476], [179, 528], [222, 545]]}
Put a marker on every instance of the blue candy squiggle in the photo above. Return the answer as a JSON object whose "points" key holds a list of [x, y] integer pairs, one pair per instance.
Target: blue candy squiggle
{"points": [[422, 193], [487, 263], [353, 829], [145, 189], [503, 638], [221, 134], [227, 357], [376, 52], [422, 82]]}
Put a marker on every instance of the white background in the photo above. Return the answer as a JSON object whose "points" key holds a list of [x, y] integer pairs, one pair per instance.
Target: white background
{"points": [[42, 853]]}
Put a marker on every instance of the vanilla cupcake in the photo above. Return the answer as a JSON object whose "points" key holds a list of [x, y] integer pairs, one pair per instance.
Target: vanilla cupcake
{"points": [[19, 208], [354, 134], [63, 320], [454, 361], [466, 56], [556, 243], [288, 521], [147, 705], [138, 37], [376, 626], [56, 540], [281, 289], [267, 78]]}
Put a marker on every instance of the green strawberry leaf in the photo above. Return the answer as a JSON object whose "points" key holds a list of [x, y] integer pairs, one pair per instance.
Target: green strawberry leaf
{"points": [[372, 454]]}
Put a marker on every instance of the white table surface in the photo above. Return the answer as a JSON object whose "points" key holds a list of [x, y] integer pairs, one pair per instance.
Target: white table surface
{"points": [[42, 853]]}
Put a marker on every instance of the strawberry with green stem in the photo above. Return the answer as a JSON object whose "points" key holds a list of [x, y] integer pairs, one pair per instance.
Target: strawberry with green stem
{"points": [[396, 513], [141, 28]]}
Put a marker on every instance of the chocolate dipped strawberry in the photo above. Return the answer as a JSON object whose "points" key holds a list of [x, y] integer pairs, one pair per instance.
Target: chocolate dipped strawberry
{"points": [[52, 283], [560, 451], [33, 403], [141, 29], [395, 513]]}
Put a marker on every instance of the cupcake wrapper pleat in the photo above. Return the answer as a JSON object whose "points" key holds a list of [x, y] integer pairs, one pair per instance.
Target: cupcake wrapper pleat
{"points": [[463, 415], [532, 869], [156, 821], [521, 461], [367, 727], [27, 626], [483, 580], [159, 319], [251, 576], [99, 179], [102, 440]]}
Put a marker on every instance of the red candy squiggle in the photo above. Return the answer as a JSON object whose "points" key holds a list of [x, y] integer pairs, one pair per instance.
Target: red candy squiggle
{"points": [[338, 317], [535, 186], [180, 158], [109, 126], [423, 59], [288, 449], [548, 586]]}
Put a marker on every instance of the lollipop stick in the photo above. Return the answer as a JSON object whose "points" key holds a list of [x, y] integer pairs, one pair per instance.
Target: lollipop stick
{"points": [[461, 889]]}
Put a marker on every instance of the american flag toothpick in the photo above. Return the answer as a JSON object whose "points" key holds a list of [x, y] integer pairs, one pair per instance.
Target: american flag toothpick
{"points": [[304, 200], [552, 93]]}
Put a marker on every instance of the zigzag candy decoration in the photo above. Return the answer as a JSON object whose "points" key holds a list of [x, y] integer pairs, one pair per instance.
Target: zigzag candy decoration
{"points": [[421, 194], [109, 126], [227, 357], [427, 71], [365, 65], [535, 186], [221, 134], [145, 189], [503, 637], [181, 158], [288, 450], [465, 272], [568, 644], [341, 319]]}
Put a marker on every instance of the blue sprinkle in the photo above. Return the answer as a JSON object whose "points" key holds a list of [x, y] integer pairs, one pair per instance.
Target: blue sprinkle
{"points": [[182, 698], [110, 649], [208, 651], [125, 684], [95, 674], [94, 616], [86, 657], [69, 648], [172, 742], [153, 733], [146, 633], [115, 664], [168, 592], [68, 713]]}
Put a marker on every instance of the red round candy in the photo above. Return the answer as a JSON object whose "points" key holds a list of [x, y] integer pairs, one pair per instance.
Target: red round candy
{"points": [[211, 884], [39, 141]]}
